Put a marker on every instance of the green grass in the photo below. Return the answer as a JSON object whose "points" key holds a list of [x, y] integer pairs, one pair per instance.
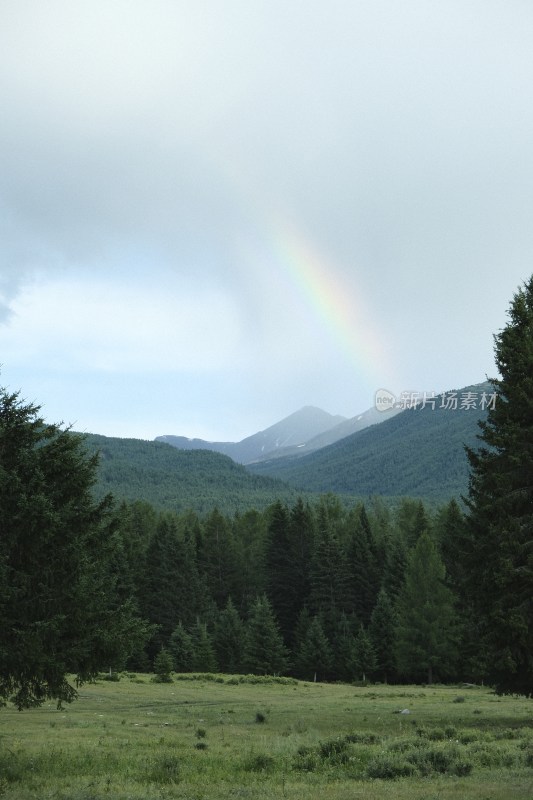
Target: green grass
{"points": [[199, 739]]}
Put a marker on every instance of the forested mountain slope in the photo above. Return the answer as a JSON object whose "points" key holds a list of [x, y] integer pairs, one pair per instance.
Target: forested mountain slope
{"points": [[418, 453], [134, 469]]}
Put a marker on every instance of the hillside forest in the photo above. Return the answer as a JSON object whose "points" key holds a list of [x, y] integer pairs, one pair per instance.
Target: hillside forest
{"points": [[314, 591]]}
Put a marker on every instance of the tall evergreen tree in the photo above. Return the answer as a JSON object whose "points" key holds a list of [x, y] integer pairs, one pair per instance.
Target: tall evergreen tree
{"points": [[181, 648], [426, 635], [382, 631], [161, 602], [279, 568], [362, 565], [217, 558], [301, 539], [364, 654], [342, 633], [203, 651], [497, 548], [61, 608], [228, 639], [264, 651], [412, 521], [395, 564], [314, 656], [331, 588], [250, 533]]}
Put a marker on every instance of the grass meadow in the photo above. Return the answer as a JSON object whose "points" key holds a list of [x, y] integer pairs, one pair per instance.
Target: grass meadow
{"points": [[207, 737]]}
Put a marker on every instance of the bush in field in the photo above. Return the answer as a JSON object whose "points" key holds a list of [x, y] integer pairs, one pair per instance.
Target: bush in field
{"points": [[163, 770], [163, 665], [258, 762]]}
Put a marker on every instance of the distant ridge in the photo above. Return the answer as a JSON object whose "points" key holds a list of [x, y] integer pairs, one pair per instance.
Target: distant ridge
{"points": [[293, 431]]}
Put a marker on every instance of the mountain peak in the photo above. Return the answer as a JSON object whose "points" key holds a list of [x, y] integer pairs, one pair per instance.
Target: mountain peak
{"points": [[294, 430]]}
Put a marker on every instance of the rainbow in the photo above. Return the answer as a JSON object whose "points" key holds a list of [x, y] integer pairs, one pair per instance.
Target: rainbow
{"points": [[341, 311]]}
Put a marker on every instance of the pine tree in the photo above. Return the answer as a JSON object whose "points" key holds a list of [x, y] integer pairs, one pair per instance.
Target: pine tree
{"points": [[163, 666], [341, 633], [426, 632], [395, 564], [382, 631], [203, 651], [264, 651], [412, 521], [161, 601], [364, 654], [314, 657], [249, 532], [279, 568], [497, 546], [331, 587], [301, 538], [229, 639], [62, 608], [362, 565], [181, 648], [217, 558]]}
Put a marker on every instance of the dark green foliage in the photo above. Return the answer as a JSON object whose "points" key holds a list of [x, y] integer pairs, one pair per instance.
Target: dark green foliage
{"points": [[450, 532], [331, 588], [382, 631], [264, 651], [289, 546], [395, 564], [279, 565], [314, 656], [341, 633], [249, 533], [217, 561], [62, 608], [497, 546], [364, 655], [412, 521], [426, 634], [228, 639], [181, 648], [163, 666], [170, 590], [203, 651], [362, 565]]}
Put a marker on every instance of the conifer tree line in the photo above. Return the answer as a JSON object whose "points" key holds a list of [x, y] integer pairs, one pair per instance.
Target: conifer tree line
{"points": [[311, 591]]}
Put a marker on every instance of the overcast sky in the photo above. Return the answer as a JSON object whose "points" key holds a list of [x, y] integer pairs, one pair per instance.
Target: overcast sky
{"points": [[215, 212]]}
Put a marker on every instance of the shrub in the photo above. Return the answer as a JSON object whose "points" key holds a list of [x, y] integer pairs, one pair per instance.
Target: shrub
{"points": [[306, 759], [389, 767], [163, 769], [260, 762], [163, 666], [333, 750]]}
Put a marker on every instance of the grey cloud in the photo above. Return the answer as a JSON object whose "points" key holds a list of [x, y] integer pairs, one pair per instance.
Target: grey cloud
{"points": [[396, 136]]}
